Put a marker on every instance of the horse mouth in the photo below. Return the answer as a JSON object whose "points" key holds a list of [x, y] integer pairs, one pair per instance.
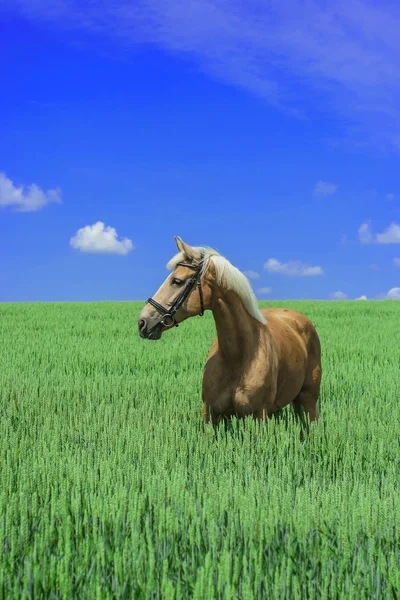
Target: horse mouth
{"points": [[156, 332], [155, 335]]}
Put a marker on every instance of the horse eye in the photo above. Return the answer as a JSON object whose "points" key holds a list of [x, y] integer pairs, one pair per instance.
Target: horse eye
{"points": [[176, 281]]}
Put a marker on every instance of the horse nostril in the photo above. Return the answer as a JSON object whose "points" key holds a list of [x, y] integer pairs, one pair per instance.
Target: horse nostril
{"points": [[142, 325]]}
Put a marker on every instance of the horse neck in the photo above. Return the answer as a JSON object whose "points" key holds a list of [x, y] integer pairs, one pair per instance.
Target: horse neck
{"points": [[238, 333]]}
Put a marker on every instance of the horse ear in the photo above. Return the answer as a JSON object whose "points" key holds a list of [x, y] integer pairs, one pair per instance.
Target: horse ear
{"points": [[178, 242], [188, 251]]}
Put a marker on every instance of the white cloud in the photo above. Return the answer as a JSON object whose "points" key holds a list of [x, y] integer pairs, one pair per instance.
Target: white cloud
{"points": [[25, 198], [374, 267], [364, 234], [292, 268], [394, 293], [362, 298], [396, 262], [389, 197], [324, 188], [252, 274], [336, 58], [99, 239], [338, 296], [390, 236], [264, 291]]}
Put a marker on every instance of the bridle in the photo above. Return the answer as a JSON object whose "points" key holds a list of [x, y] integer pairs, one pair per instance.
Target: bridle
{"points": [[168, 314]]}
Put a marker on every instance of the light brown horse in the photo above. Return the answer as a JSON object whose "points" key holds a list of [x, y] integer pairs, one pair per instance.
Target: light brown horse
{"points": [[260, 361]]}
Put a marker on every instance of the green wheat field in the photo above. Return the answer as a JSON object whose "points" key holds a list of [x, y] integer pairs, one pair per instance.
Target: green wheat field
{"points": [[109, 488]]}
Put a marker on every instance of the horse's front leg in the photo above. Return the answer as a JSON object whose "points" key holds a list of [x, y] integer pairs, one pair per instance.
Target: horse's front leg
{"points": [[261, 414], [209, 414], [264, 403]]}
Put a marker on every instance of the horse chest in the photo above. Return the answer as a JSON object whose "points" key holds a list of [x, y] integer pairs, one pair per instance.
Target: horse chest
{"points": [[230, 395]]}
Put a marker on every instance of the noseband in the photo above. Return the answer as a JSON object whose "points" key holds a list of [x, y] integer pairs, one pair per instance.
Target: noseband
{"points": [[168, 315]]}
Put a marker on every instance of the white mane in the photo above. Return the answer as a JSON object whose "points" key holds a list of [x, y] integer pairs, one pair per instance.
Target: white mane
{"points": [[228, 277]]}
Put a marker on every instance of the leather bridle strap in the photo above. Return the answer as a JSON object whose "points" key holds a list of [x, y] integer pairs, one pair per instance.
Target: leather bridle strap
{"points": [[168, 315]]}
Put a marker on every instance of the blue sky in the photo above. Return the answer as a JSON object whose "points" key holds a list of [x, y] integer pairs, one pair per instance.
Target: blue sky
{"points": [[268, 130]]}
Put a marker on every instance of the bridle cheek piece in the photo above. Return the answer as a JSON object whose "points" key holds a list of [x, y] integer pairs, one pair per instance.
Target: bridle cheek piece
{"points": [[168, 315]]}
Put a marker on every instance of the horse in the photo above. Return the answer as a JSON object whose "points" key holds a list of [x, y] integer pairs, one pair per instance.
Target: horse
{"points": [[260, 361]]}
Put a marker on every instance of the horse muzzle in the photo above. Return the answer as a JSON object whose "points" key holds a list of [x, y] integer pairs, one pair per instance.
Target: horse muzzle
{"points": [[149, 331]]}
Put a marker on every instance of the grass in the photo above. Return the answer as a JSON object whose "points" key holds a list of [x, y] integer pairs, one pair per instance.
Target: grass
{"points": [[109, 488]]}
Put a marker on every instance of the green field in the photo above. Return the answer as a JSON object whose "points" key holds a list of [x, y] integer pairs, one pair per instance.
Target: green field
{"points": [[110, 489]]}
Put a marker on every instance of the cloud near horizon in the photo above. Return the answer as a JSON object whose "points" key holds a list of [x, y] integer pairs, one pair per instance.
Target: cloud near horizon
{"points": [[30, 198], [391, 235], [292, 268], [339, 58], [394, 294], [100, 239], [264, 291], [339, 296]]}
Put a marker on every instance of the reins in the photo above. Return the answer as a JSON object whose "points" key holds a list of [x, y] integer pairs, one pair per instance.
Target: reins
{"points": [[168, 315]]}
